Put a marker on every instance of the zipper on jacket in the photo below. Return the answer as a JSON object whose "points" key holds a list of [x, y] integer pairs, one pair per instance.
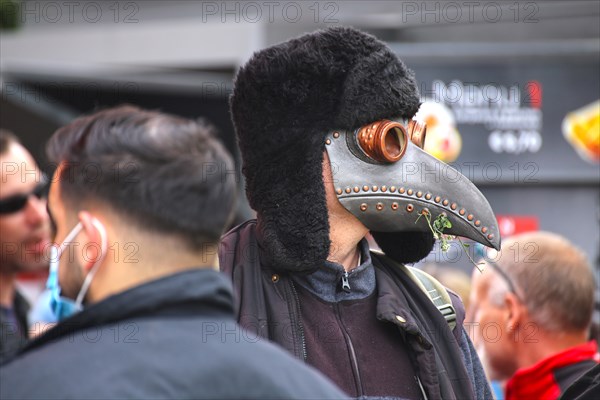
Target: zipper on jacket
{"points": [[299, 321], [345, 282], [359, 387]]}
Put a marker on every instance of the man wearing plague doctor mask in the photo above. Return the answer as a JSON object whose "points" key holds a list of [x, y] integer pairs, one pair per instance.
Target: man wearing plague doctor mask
{"points": [[330, 153], [144, 311]]}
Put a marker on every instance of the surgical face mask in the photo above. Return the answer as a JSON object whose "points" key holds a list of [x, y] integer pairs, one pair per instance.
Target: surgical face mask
{"points": [[63, 307]]}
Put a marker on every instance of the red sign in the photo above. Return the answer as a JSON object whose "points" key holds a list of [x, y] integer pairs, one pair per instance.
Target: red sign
{"points": [[513, 224], [535, 94]]}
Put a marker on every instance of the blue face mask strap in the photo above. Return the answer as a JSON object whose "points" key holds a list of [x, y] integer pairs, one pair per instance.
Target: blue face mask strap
{"points": [[88, 279]]}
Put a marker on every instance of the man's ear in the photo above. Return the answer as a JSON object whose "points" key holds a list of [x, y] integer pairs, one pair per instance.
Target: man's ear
{"points": [[91, 249], [515, 312]]}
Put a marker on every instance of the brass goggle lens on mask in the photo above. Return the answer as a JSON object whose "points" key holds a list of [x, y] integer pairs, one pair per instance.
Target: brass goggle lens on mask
{"points": [[386, 141]]}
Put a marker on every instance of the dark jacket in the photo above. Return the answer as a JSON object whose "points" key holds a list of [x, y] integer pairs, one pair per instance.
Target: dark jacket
{"points": [[587, 387], [171, 338], [13, 327], [268, 304]]}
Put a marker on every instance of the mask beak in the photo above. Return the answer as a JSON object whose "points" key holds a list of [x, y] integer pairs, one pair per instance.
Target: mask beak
{"points": [[389, 197]]}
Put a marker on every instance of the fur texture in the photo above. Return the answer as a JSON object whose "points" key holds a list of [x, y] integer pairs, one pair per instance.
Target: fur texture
{"points": [[285, 100]]}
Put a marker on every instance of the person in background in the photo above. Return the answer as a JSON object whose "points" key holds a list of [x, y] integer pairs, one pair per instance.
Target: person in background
{"points": [[532, 308], [144, 311], [24, 236]]}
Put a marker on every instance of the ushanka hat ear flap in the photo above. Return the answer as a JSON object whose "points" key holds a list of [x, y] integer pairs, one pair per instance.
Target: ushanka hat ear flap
{"points": [[286, 99]]}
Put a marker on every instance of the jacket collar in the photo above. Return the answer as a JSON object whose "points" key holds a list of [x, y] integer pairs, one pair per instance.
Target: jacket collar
{"points": [[182, 293], [326, 282], [393, 306]]}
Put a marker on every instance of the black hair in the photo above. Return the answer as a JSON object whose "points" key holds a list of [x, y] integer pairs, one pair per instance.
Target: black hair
{"points": [[160, 171]]}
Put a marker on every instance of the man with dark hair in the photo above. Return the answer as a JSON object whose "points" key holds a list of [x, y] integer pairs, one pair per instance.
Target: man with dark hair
{"points": [[24, 235], [139, 201], [533, 308], [330, 153]]}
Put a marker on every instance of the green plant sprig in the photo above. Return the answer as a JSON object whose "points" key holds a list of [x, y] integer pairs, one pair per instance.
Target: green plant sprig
{"points": [[437, 227]]}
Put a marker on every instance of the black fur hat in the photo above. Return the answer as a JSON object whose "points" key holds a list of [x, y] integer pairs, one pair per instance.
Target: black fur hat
{"points": [[285, 100]]}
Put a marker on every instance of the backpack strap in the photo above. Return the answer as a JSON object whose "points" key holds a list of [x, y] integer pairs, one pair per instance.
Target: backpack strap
{"points": [[436, 292]]}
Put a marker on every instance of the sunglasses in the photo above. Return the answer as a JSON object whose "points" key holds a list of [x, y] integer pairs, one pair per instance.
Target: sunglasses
{"points": [[16, 203]]}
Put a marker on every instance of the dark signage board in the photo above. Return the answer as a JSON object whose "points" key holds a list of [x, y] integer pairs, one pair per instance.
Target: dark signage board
{"points": [[510, 116]]}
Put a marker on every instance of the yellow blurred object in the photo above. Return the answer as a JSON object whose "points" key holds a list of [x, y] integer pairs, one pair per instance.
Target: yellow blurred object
{"points": [[581, 128], [443, 140], [444, 143]]}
